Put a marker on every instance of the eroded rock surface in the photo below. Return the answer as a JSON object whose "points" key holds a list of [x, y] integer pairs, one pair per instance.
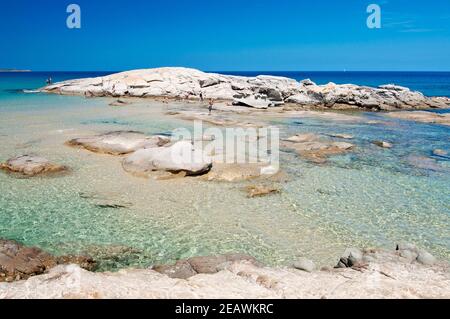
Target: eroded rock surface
{"points": [[187, 268], [379, 274], [31, 165], [118, 142], [423, 116], [20, 262], [315, 148], [179, 157], [259, 92]]}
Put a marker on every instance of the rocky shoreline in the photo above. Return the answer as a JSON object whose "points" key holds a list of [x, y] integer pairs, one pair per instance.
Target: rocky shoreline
{"points": [[406, 272], [259, 92]]}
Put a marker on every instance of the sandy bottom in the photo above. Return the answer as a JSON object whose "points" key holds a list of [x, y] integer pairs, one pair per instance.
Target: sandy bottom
{"points": [[371, 197]]}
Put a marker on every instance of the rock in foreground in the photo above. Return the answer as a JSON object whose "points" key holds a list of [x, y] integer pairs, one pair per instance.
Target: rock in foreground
{"points": [[19, 262], [386, 275], [30, 165], [258, 92]]}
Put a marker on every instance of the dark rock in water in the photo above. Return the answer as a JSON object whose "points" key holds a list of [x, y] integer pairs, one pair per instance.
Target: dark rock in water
{"points": [[351, 257], [440, 153], [31, 165], [307, 82], [20, 262], [382, 144], [184, 269], [119, 102]]}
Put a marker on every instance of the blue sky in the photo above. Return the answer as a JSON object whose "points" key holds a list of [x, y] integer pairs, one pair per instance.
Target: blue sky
{"points": [[226, 35]]}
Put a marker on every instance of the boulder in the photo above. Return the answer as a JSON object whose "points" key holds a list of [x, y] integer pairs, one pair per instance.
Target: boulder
{"points": [[20, 262], [118, 142], [350, 258], [304, 264], [31, 165], [382, 144], [426, 258], [180, 157]]}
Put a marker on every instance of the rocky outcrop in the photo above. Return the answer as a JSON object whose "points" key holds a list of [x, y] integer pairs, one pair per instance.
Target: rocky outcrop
{"points": [[368, 273], [422, 116], [31, 165], [19, 262], [259, 92], [118, 142], [179, 157]]}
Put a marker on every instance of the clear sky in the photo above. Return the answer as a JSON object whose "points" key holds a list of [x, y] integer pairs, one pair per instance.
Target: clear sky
{"points": [[219, 35]]}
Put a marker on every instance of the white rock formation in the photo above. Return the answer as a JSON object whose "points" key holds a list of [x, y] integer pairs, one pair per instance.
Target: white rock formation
{"points": [[118, 142], [179, 157], [260, 91], [388, 275]]}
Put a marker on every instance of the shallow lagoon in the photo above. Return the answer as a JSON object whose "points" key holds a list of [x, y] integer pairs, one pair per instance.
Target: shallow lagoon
{"points": [[370, 197]]}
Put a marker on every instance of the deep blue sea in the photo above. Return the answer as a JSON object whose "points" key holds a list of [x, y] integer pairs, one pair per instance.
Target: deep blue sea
{"points": [[429, 83]]}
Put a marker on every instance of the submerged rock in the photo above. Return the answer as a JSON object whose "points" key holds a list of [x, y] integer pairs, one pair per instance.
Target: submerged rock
{"points": [[180, 157], [423, 162], [422, 116], [235, 172], [341, 135], [31, 165], [187, 268], [314, 148], [382, 144], [304, 264], [118, 142], [260, 190], [439, 152], [20, 262], [119, 102]]}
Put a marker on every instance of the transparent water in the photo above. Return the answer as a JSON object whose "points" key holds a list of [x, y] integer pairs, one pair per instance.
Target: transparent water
{"points": [[371, 197]]}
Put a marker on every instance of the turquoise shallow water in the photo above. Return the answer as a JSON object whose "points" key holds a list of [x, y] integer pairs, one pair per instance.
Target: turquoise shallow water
{"points": [[370, 197]]}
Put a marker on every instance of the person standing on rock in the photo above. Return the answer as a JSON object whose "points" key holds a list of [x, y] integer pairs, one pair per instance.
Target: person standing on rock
{"points": [[211, 103], [201, 96]]}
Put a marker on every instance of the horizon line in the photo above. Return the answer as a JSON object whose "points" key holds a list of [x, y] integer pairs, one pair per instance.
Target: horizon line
{"points": [[6, 70]]}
